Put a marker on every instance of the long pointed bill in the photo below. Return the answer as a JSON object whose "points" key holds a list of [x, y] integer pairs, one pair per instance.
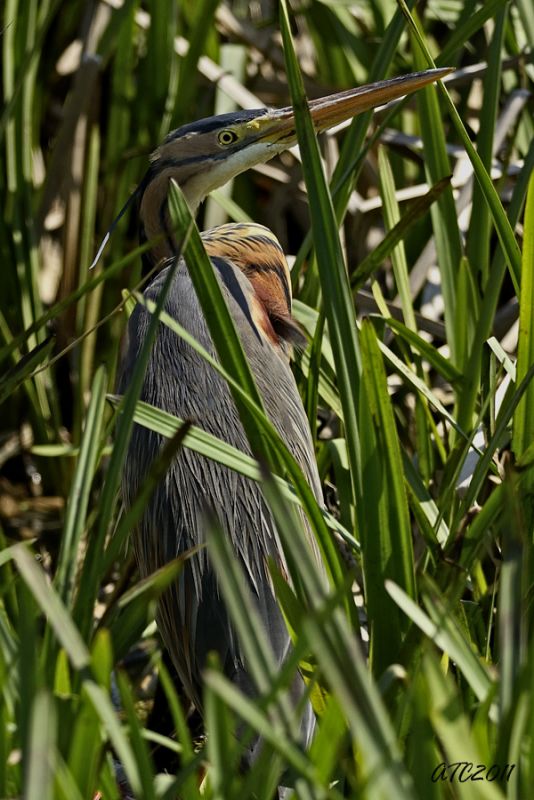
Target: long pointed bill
{"points": [[329, 111]]}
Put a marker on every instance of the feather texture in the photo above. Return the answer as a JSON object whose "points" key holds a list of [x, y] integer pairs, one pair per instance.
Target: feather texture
{"points": [[191, 615]]}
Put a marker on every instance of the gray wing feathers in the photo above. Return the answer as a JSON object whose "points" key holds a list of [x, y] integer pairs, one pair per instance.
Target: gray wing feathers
{"points": [[191, 615]]}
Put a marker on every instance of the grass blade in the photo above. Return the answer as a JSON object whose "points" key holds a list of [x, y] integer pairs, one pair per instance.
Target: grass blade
{"points": [[523, 430], [334, 282], [387, 550], [444, 633], [78, 502], [500, 220], [52, 606], [40, 764]]}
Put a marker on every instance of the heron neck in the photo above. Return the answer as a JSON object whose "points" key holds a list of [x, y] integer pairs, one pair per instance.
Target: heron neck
{"points": [[156, 222]]}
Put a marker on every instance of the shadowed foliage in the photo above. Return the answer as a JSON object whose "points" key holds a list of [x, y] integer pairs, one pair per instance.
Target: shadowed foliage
{"points": [[410, 237]]}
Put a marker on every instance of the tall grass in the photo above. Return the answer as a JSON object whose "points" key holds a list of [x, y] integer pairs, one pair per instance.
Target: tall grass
{"points": [[413, 276]]}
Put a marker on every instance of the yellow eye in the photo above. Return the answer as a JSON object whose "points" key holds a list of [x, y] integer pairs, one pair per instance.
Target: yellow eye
{"points": [[227, 137]]}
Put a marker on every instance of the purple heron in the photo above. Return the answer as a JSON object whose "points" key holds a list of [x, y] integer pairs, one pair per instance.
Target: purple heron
{"points": [[254, 276]]}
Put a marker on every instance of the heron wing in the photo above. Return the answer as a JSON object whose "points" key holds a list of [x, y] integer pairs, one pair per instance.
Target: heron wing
{"points": [[192, 615]]}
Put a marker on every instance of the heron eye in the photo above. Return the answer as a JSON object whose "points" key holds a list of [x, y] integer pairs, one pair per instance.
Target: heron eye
{"points": [[227, 137]]}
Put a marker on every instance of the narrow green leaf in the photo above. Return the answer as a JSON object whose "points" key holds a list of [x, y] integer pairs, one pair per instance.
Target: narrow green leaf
{"points": [[11, 380], [428, 351], [334, 643], [464, 32], [109, 720], [412, 379], [398, 254], [90, 576], [523, 422], [204, 443], [334, 282], [85, 747], [250, 713], [426, 511], [478, 242], [221, 737], [443, 212], [480, 530], [512, 589], [468, 396], [218, 318], [51, 605], [201, 28], [40, 766], [66, 787], [77, 504], [187, 781], [156, 474], [508, 406], [252, 637], [500, 220], [59, 308], [396, 234], [136, 608], [351, 157], [384, 774], [387, 551], [502, 357], [328, 742], [138, 744], [451, 725], [446, 635]]}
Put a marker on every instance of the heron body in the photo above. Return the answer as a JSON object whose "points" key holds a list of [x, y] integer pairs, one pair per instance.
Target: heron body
{"points": [[192, 616], [253, 273]]}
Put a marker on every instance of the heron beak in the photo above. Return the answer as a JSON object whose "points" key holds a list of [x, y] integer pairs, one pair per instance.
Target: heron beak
{"points": [[329, 111]]}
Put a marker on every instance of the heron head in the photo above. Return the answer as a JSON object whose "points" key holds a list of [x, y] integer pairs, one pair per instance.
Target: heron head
{"points": [[206, 154]]}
